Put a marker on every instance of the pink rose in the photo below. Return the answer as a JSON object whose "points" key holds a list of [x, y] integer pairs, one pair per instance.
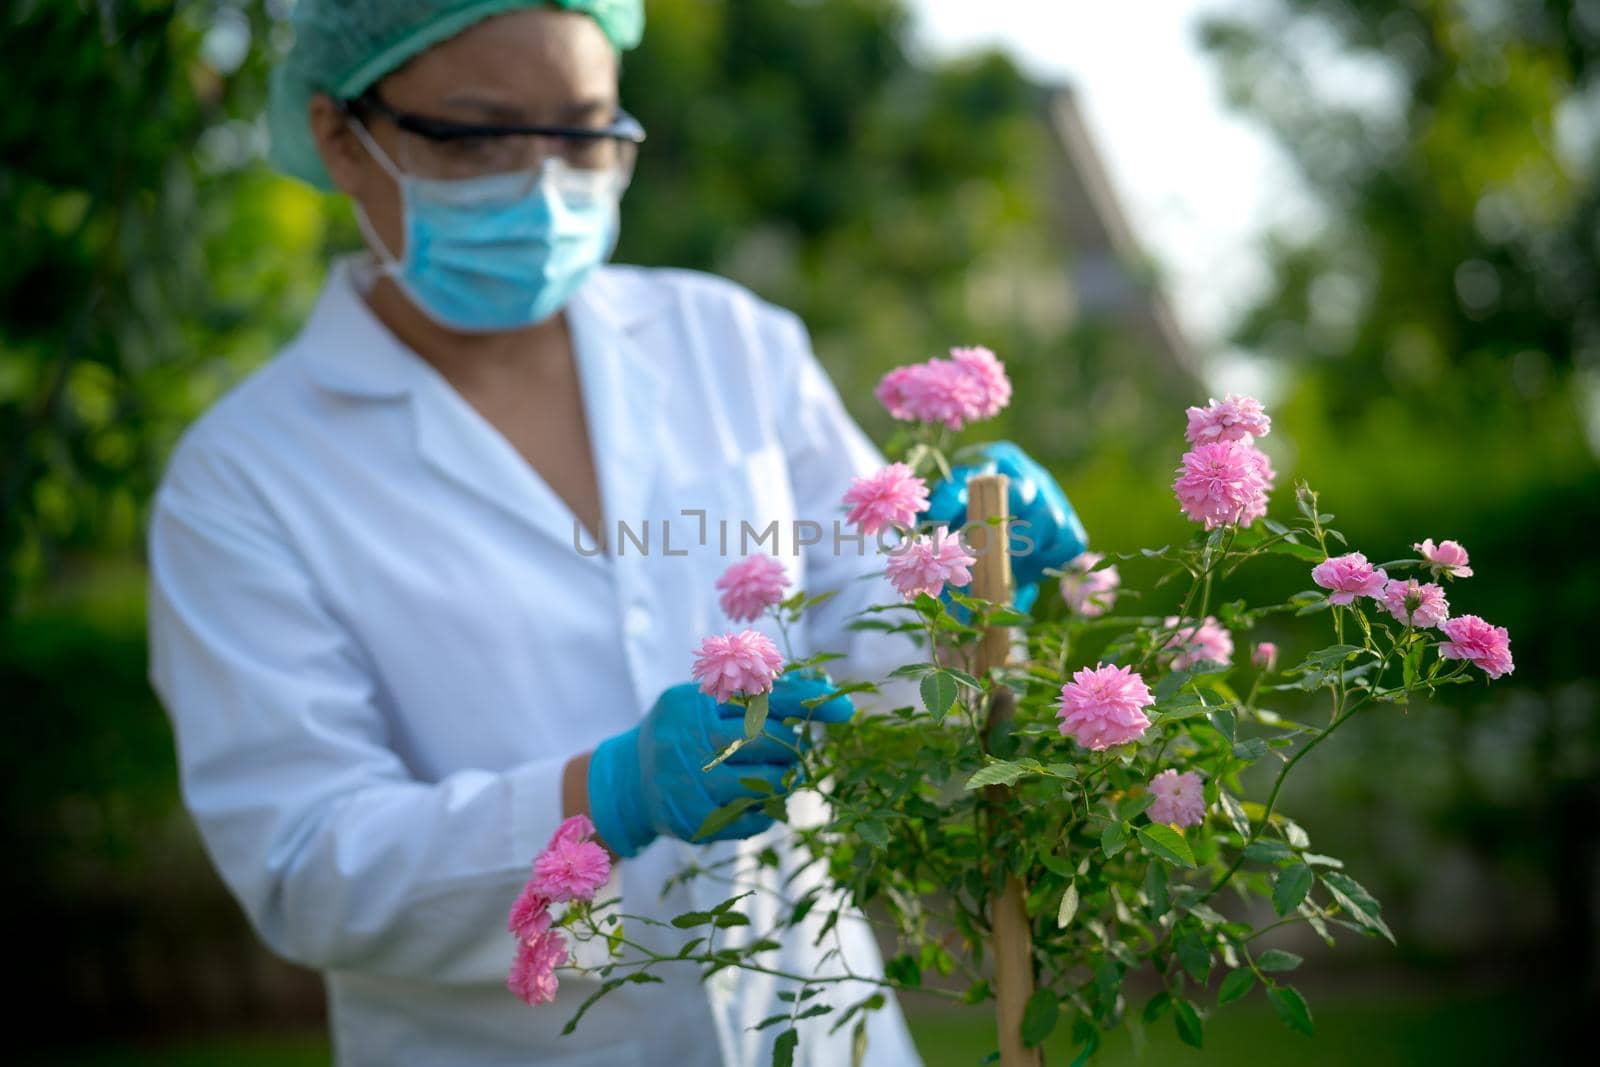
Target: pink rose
{"points": [[1349, 576], [925, 564], [745, 662], [530, 915], [751, 586], [1265, 655], [1484, 646], [970, 385], [533, 975], [1448, 558], [1180, 798], [1238, 418], [981, 365], [1089, 592], [1104, 706], [1209, 642], [1415, 603], [571, 870], [890, 497], [1224, 483]]}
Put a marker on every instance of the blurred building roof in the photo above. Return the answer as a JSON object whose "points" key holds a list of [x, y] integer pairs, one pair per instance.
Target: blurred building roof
{"points": [[1111, 276]]}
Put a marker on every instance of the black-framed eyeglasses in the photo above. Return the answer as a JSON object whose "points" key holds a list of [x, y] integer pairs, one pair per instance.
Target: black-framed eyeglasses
{"points": [[444, 148]]}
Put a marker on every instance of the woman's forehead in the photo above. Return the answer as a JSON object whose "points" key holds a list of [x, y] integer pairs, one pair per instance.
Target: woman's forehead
{"points": [[536, 64]]}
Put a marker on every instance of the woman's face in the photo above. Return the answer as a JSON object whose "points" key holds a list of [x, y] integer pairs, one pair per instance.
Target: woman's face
{"points": [[538, 66]]}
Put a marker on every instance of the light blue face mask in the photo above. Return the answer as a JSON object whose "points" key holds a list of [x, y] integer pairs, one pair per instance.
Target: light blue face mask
{"points": [[486, 255]]}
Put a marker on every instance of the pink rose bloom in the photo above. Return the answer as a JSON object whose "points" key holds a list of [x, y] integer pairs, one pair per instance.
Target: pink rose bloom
{"points": [[1349, 576], [1224, 483], [1103, 706], [533, 975], [943, 391], [1265, 655], [1257, 508], [745, 662], [1448, 558], [1415, 603], [572, 828], [530, 915], [1088, 592], [925, 564], [1484, 646], [1180, 799], [1209, 642], [982, 366], [570, 870], [751, 586], [894, 392], [890, 497], [1238, 418]]}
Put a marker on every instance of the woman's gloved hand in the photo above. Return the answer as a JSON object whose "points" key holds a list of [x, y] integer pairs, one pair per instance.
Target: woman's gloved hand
{"points": [[1033, 497], [648, 780]]}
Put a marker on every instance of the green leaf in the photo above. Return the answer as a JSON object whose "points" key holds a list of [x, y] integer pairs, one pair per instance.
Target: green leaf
{"points": [[938, 693], [1250, 750], [1236, 985], [858, 1044], [1291, 888], [1235, 812], [1155, 889], [732, 918], [724, 816], [1055, 864], [1291, 1008], [1069, 905], [999, 772], [1355, 900], [1275, 959], [756, 785], [964, 678], [1194, 956], [1114, 838], [690, 919], [783, 1048], [755, 716], [1267, 850], [913, 670], [1167, 843], [903, 970], [1039, 1016], [1187, 1020], [1298, 551], [1156, 1006], [873, 833]]}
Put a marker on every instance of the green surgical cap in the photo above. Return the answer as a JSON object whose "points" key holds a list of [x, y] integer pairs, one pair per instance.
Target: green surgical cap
{"points": [[343, 46]]}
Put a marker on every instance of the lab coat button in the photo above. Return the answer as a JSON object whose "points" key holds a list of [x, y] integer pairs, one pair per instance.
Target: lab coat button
{"points": [[636, 623]]}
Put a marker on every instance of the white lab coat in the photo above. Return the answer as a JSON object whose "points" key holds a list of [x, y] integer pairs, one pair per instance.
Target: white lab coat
{"points": [[379, 643]]}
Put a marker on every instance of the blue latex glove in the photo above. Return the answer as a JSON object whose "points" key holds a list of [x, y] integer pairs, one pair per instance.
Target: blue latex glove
{"points": [[648, 780], [1034, 497]]}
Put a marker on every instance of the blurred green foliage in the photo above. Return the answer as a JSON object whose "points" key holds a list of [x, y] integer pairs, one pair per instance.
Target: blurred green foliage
{"points": [[1433, 342]]}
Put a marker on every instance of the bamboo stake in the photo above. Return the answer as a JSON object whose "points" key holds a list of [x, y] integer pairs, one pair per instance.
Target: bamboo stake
{"points": [[1013, 935]]}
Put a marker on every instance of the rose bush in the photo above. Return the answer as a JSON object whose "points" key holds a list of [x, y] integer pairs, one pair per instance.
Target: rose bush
{"points": [[1126, 812]]}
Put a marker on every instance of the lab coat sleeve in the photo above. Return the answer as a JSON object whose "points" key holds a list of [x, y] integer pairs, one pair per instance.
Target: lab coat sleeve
{"points": [[826, 451], [341, 858]]}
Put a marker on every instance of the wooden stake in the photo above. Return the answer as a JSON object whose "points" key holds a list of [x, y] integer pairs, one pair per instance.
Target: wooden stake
{"points": [[1013, 935]]}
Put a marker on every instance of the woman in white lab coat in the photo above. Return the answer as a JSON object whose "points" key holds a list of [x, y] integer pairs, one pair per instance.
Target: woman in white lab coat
{"points": [[392, 656]]}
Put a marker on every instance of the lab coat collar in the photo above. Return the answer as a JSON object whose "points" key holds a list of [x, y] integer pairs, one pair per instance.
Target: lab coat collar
{"points": [[348, 350]]}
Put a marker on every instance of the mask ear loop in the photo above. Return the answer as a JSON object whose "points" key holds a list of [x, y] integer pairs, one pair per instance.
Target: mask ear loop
{"points": [[388, 263]]}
